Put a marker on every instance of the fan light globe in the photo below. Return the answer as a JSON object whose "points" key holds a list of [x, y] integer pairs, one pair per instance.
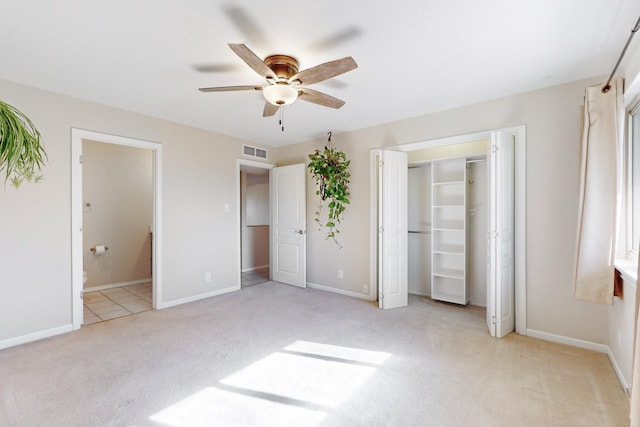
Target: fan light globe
{"points": [[280, 94]]}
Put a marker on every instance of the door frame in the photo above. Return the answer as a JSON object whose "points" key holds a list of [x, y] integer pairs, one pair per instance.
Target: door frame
{"points": [[77, 136], [239, 166], [519, 132]]}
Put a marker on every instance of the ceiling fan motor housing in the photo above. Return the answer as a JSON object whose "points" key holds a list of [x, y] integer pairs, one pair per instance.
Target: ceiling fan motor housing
{"points": [[283, 66]]}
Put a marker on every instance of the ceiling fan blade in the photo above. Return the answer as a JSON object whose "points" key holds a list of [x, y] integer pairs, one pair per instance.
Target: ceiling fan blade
{"points": [[229, 88], [247, 26], [217, 68], [252, 60], [269, 109], [320, 98], [325, 71], [337, 38]]}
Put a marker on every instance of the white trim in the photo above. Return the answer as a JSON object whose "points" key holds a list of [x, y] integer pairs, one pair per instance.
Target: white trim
{"points": [[449, 140], [520, 210], [587, 345], [254, 164], [116, 285], [628, 268], [623, 381], [198, 297], [259, 267], [34, 336], [373, 221], [339, 291], [573, 342], [77, 135]]}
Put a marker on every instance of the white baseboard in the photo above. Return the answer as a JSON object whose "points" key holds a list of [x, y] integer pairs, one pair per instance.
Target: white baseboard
{"points": [[588, 345], [616, 368], [574, 342], [259, 267], [117, 285], [340, 291], [196, 297], [35, 336]]}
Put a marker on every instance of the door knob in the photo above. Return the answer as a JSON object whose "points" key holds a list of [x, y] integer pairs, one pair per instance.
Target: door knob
{"points": [[299, 231]]}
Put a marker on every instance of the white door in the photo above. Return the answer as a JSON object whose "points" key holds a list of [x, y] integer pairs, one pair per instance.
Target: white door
{"points": [[500, 251], [392, 230], [288, 225]]}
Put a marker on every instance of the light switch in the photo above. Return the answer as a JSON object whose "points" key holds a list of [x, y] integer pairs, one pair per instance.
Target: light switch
{"points": [[227, 208]]}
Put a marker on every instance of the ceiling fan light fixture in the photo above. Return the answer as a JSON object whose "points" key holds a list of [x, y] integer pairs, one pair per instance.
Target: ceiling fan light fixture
{"points": [[280, 94]]}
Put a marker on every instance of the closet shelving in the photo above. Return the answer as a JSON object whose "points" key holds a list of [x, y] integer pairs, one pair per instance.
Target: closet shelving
{"points": [[449, 235]]}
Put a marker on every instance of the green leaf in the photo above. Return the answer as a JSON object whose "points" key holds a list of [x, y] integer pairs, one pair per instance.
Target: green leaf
{"points": [[329, 171], [21, 154]]}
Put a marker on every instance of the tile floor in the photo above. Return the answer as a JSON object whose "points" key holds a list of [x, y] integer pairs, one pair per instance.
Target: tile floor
{"points": [[116, 302], [254, 277]]}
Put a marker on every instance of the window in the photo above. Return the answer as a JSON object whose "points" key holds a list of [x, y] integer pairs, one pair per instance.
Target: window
{"points": [[634, 180]]}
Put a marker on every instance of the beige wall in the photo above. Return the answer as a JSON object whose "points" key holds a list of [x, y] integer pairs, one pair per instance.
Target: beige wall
{"points": [[552, 117], [199, 237], [199, 176], [117, 195]]}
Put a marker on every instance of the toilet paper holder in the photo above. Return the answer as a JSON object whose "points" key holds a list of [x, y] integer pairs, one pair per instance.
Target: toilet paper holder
{"points": [[93, 249]]}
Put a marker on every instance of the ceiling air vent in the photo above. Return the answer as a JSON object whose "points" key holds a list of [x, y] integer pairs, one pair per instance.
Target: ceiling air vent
{"points": [[248, 150]]}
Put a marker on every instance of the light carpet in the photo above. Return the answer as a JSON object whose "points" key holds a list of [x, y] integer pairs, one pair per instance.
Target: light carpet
{"points": [[275, 355]]}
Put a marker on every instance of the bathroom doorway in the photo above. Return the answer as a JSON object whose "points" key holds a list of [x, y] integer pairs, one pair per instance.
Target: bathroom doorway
{"points": [[115, 240], [117, 232], [254, 224]]}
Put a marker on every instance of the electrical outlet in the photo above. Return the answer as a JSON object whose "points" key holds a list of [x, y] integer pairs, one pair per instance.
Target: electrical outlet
{"points": [[365, 288], [207, 277], [340, 275]]}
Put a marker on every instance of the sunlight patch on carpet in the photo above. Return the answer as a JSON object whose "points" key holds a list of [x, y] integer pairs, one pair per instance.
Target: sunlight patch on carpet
{"points": [[215, 407], [339, 352], [296, 386]]}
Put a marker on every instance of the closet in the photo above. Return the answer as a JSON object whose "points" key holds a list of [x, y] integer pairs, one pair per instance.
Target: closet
{"points": [[447, 222]]}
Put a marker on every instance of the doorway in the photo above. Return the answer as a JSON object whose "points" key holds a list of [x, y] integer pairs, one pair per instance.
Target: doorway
{"points": [[101, 259], [117, 209], [254, 226], [420, 229], [254, 222], [451, 145]]}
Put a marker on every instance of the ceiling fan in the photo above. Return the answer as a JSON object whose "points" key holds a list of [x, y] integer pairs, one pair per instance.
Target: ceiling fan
{"points": [[285, 83]]}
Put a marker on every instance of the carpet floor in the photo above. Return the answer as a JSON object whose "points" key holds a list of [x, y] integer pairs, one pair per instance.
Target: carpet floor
{"points": [[275, 355]]}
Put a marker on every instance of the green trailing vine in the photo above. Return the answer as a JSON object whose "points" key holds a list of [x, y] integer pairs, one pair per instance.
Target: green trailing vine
{"points": [[21, 154], [329, 169]]}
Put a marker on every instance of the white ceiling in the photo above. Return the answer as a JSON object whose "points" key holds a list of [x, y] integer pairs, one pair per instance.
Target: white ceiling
{"points": [[414, 56]]}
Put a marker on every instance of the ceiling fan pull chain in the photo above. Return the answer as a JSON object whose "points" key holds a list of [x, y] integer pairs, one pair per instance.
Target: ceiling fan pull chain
{"points": [[282, 118]]}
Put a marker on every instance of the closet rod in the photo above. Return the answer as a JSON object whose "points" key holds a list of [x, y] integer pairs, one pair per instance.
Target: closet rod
{"points": [[635, 28]]}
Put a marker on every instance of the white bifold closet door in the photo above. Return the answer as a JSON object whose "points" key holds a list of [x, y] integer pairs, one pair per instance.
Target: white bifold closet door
{"points": [[392, 232], [500, 246]]}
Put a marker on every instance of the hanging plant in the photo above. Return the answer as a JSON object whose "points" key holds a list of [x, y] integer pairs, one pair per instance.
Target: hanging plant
{"points": [[329, 169], [21, 155]]}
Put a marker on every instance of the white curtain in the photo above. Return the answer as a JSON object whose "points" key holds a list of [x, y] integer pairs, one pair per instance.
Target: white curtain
{"points": [[598, 204]]}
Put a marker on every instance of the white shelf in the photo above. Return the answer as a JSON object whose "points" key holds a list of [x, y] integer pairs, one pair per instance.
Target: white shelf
{"points": [[453, 274], [449, 252], [448, 183], [449, 221]]}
